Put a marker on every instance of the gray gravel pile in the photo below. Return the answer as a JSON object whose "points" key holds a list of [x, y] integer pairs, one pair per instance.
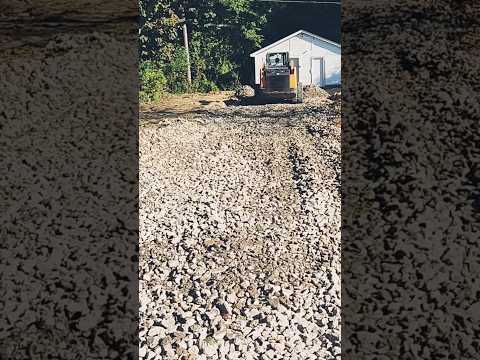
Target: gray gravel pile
{"points": [[314, 91], [240, 235]]}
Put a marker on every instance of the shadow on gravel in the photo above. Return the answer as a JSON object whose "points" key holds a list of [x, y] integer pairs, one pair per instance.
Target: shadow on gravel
{"points": [[174, 113], [301, 174], [252, 101]]}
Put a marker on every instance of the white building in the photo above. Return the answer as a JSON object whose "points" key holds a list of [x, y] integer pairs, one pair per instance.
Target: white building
{"points": [[318, 60]]}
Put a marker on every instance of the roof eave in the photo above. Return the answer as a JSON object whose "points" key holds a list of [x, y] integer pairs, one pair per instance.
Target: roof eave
{"points": [[290, 36]]}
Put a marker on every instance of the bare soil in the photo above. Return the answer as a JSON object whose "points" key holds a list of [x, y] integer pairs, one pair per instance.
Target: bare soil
{"points": [[185, 104]]}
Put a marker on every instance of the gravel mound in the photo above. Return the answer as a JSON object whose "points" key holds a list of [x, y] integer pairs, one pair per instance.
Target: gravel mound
{"points": [[240, 235], [313, 91]]}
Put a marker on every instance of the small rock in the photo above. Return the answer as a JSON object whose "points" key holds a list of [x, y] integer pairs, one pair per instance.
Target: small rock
{"points": [[245, 91], [156, 330], [169, 324], [143, 351], [209, 346]]}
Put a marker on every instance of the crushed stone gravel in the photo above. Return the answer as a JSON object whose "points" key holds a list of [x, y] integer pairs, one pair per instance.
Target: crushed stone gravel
{"points": [[240, 234]]}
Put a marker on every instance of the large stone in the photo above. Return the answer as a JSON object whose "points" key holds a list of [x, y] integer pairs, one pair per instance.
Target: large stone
{"points": [[245, 91], [169, 324], [209, 346]]}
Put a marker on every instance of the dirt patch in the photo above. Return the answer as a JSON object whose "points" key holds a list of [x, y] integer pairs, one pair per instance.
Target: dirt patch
{"points": [[184, 105]]}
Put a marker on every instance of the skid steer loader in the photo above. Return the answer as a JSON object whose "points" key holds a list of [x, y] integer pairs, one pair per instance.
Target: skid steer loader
{"points": [[278, 79]]}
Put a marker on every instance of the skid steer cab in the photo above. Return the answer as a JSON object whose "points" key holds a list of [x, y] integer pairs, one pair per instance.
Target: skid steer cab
{"points": [[279, 78]]}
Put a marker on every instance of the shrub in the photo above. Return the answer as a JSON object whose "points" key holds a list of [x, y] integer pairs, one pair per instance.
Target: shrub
{"points": [[152, 82], [177, 72], [208, 86], [159, 78], [202, 84]]}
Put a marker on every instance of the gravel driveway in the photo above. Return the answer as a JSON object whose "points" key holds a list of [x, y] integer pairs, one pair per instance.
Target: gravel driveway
{"points": [[240, 234]]}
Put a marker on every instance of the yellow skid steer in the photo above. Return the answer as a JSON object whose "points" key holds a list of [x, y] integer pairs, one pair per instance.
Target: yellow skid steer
{"points": [[278, 78]]}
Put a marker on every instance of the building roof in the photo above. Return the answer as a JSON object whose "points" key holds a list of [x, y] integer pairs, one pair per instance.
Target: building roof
{"points": [[291, 36]]}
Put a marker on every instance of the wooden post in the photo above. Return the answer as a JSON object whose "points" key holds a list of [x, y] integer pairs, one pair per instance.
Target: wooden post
{"points": [[185, 39]]}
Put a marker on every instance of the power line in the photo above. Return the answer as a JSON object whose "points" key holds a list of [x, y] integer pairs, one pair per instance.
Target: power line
{"points": [[302, 2]]}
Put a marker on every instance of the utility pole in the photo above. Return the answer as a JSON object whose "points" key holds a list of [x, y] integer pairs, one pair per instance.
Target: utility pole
{"points": [[185, 40]]}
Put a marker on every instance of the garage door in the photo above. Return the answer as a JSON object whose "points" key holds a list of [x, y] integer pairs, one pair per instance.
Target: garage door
{"points": [[318, 71]]}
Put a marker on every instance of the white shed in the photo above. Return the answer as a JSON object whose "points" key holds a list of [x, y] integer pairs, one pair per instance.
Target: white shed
{"points": [[318, 59]]}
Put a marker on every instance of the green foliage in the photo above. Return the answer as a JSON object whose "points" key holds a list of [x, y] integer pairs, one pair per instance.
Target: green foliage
{"points": [[177, 72], [203, 85], [222, 34], [157, 79], [152, 81]]}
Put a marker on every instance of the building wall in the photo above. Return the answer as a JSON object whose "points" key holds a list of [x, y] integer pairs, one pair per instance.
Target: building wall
{"points": [[305, 48]]}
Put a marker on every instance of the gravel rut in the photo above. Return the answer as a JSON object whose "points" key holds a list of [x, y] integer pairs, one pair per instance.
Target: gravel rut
{"points": [[240, 234]]}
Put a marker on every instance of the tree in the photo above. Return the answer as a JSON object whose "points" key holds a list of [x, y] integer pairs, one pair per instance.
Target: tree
{"points": [[222, 35]]}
